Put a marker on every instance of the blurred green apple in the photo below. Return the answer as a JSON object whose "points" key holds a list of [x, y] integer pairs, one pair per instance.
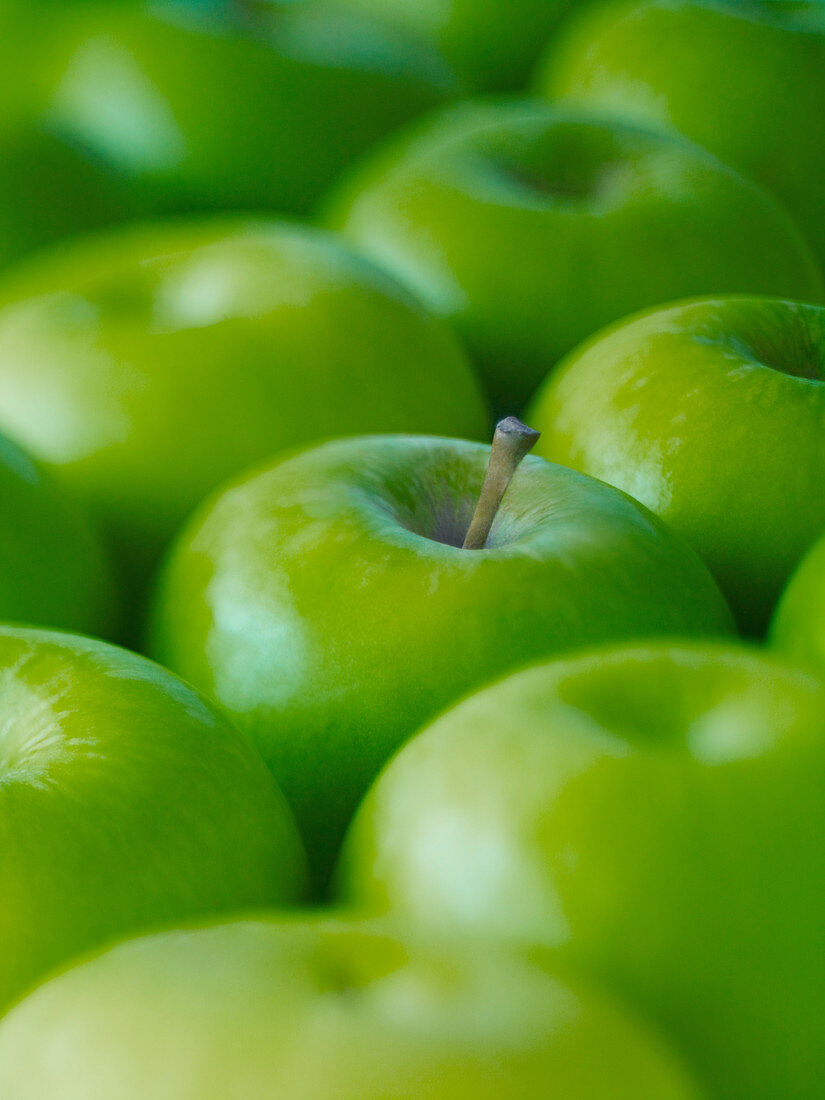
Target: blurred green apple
{"points": [[51, 185], [710, 413], [492, 44], [125, 802], [744, 78], [204, 110], [798, 627], [530, 227], [320, 1008], [152, 362], [53, 571], [50, 188], [652, 813], [327, 603]]}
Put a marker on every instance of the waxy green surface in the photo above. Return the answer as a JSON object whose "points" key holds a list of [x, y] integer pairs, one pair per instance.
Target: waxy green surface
{"points": [[150, 363], [319, 1008], [711, 414], [529, 227], [652, 813], [744, 78], [315, 601], [53, 570], [203, 109], [126, 802]]}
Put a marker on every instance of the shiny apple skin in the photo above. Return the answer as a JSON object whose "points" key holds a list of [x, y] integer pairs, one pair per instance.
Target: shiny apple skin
{"points": [[315, 603], [152, 362], [744, 79], [710, 413], [654, 814], [53, 568], [126, 802], [530, 226], [315, 1008]]}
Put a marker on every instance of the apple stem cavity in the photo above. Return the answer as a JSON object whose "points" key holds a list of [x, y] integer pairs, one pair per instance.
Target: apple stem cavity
{"points": [[511, 442]]}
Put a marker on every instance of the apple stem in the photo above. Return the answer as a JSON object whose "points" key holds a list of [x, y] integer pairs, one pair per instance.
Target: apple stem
{"points": [[511, 442]]}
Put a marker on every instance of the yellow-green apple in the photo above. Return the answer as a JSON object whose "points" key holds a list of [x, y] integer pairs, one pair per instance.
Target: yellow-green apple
{"points": [[710, 413], [328, 603], [744, 78], [50, 189], [153, 361], [203, 109], [126, 801], [53, 570], [798, 626], [315, 1008], [652, 813], [531, 226], [51, 184]]}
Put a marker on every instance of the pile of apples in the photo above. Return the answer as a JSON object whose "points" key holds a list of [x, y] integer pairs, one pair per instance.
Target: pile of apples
{"points": [[344, 756]]}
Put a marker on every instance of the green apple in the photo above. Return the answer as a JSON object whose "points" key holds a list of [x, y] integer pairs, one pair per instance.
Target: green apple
{"points": [[798, 627], [202, 110], [319, 1008], [125, 802], [152, 362], [492, 44], [530, 227], [329, 606], [654, 814], [51, 189], [51, 186], [710, 413], [53, 571], [744, 78]]}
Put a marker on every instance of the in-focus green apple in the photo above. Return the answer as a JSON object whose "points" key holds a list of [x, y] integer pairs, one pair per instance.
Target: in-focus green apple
{"points": [[53, 571], [744, 78], [152, 362], [319, 1008], [798, 626], [125, 802], [327, 603], [652, 813], [203, 110], [530, 227], [492, 44], [710, 413]]}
